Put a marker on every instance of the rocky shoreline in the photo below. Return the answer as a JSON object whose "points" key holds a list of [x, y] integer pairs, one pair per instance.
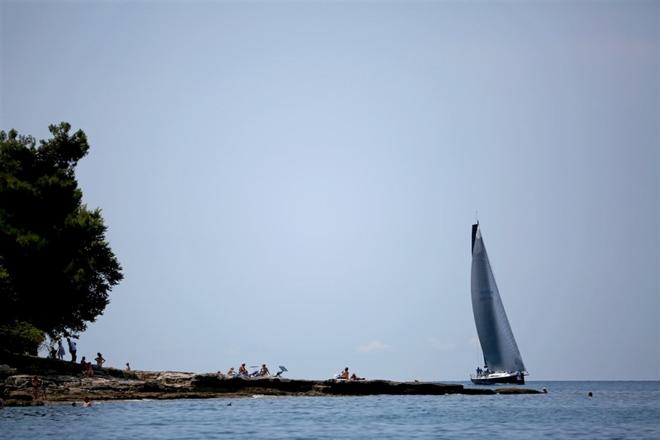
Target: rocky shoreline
{"points": [[63, 382]]}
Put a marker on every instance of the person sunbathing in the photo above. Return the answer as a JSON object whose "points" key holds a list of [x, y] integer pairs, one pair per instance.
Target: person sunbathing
{"points": [[264, 371], [242, 371]]}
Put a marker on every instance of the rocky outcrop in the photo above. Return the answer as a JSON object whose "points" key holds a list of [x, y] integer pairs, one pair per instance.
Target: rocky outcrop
{"points": [[62, 382], [518, 391], [46, 367], [366, 387], [6, 371]]}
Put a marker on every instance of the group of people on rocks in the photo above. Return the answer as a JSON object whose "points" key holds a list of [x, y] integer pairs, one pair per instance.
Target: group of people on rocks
{"points": [[264, 372], [243, 372], [59, 352], [87, 366]]}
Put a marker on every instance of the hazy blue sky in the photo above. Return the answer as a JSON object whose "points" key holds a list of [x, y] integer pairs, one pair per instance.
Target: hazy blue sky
{"points": [[294, 183]]}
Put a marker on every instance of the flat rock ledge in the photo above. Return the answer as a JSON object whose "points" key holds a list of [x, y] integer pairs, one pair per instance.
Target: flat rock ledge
{"points": [[62, 382]]}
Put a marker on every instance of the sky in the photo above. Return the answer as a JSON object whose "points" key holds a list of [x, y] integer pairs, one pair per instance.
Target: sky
{"points": [[294, 182]]}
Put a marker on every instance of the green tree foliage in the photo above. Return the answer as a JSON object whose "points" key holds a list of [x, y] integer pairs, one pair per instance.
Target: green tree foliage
{"points": [[21, 337], [56, 267]]}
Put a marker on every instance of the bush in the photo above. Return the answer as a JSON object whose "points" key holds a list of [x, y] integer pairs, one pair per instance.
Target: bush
{"points": [[21, 337]]}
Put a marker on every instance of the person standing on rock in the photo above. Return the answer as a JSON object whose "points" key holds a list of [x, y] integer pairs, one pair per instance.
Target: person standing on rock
{"points": [[73, 349], [99, 360], [36, 386], [60, 350]]}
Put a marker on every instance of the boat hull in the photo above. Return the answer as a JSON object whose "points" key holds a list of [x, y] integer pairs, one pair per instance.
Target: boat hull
{"points": [[492, 379]]}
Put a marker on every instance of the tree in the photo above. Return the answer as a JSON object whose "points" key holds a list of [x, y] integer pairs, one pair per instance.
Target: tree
{"points": [[56, 266]]}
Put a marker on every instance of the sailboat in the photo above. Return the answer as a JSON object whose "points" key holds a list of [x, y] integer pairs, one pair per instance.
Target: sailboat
{"points": [[502, 360]]}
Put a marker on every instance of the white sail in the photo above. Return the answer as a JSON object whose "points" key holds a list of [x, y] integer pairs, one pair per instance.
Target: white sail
{"points": [[497, 342]]}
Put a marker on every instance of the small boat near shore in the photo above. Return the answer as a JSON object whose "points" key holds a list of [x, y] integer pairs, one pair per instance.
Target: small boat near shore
{"points": [[502, 360]]}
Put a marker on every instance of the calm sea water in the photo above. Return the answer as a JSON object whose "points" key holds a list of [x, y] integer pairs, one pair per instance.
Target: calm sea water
{"points": [[617, 410]]}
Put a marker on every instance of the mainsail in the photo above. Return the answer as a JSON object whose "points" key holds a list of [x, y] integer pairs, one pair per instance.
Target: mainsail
{"points": [[497, 343]]}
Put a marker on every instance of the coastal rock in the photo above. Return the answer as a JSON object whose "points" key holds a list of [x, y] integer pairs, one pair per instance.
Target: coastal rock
{"points": [[20, 395], [150, 386], [478, 391], [369, 387], [175, 379], [6, 370], [210, 380], [14, 402], [517, 391], [63, 382], [247, 386], [19, 381]]}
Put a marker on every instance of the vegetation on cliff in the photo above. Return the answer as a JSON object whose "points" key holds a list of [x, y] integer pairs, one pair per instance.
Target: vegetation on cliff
{"points": [[56, 266]]}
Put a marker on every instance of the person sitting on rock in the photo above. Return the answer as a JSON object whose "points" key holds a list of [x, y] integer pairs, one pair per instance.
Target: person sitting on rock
{"points": [[264, 371], [242, 371], [231, 372], [344, 374], [86, 367], [128, 366]]}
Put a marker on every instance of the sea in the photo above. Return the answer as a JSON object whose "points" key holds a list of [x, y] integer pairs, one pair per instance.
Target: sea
{"points": [[617, 410]]}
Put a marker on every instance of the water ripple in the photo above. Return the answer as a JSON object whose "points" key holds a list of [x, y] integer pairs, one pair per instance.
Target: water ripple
{"points": [[618, 410]]}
